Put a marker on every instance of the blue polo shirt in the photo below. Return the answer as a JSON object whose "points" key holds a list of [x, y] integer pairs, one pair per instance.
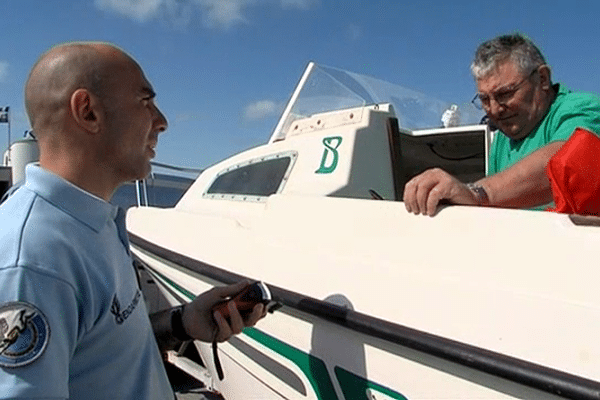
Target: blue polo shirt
{"points": [[73, 323]]}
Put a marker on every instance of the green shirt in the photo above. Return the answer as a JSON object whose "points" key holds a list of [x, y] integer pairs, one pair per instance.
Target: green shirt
{"points": [[568, 111]]}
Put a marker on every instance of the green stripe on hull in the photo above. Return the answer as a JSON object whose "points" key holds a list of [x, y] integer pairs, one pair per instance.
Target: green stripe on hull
{"points": [[313, 368], [354, 387]]}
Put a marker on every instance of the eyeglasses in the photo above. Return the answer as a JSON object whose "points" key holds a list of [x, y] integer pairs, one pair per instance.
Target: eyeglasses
{"points": [[503, 96]]}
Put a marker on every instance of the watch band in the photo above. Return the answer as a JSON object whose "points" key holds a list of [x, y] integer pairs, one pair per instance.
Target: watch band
{"points": [[480, 194], [177, 324]]}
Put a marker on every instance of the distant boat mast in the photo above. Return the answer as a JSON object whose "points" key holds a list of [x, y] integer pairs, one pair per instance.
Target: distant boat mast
{"points": [[5, 119]]}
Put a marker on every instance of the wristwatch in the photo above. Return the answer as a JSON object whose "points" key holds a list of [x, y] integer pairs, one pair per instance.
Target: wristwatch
{"points": [[177, 324], [480, 194]]}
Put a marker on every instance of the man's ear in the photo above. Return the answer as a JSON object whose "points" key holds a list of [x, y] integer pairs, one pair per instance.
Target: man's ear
{"points": [[545, 77], [86, 110]]}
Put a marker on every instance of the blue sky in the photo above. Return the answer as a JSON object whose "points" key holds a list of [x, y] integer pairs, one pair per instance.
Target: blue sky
{"points": [[224, 69]]}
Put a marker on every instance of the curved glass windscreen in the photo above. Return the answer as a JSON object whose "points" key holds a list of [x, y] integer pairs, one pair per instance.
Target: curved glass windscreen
{"points": [[323, 89], [327, 89]]}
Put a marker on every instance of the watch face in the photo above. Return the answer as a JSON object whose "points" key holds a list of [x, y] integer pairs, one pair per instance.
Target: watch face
{"points": [[480, 193]]}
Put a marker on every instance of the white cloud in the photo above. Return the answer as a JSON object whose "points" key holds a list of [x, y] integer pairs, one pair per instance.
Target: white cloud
{"points": [[223, 13], [139, 10], [3, 70], [300, 4], [184, 117], [261, 109], [214, 13], [354, 32]]}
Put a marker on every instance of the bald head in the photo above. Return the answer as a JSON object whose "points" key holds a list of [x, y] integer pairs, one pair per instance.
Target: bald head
{"points": [[94, 115], [61, 71]]}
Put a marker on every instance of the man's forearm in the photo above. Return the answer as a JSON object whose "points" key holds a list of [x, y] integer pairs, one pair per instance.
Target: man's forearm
{"points": [[525, 184]]}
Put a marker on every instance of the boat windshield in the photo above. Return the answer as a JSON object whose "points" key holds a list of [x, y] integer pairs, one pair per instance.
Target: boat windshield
{"points": [[322, 89]]}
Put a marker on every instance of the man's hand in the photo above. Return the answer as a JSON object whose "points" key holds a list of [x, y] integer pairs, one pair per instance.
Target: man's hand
{"points": [[199, 320], [423, 193]]}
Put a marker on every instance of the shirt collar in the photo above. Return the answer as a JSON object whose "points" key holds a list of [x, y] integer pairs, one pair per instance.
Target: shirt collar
{"points": [[81, 205]]}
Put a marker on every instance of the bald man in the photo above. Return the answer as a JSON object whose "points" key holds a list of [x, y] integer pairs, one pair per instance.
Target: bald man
{"points": [[73, 323]]}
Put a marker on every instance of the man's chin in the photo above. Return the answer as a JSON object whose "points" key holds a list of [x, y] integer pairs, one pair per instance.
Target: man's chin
{"points": [[143, 173], [518, 135], [511, 131]]}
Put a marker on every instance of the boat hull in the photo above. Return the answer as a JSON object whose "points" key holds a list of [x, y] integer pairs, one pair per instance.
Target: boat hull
{"points": [[373, 318]]}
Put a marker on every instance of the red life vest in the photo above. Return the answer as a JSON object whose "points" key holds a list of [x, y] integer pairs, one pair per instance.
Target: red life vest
{"points": [[574, 174]]}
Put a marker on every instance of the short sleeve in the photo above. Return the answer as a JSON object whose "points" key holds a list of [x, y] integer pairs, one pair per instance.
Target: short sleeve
{"points": [[579, 111], [36, 365]]}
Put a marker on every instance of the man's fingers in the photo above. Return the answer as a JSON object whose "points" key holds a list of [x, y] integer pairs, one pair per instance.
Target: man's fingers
{"points": [[423, 194], [235, 325], [222, 292], [236, 321], [435, 195], [410, 195], [259, 311], [223, 329]]}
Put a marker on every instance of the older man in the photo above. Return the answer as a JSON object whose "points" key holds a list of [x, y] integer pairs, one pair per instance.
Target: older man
{"points": [[73, 323], [534, 118]]}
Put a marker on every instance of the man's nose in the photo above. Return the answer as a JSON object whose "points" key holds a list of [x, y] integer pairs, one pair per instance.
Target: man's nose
{"points": [[161, 121], [495, 108]]}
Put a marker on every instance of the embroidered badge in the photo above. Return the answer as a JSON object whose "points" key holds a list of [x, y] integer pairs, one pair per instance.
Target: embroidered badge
{"points": [[24, 334]]}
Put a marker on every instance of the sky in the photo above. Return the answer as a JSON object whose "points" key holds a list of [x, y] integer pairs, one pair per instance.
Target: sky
{"points": [[224, 69]]}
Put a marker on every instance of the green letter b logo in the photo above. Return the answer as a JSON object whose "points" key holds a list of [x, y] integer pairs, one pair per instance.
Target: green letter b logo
{"points": [[329, 160]]}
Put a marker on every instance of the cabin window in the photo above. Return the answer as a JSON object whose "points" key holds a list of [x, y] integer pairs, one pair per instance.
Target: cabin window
{"points": [[254, 179]]}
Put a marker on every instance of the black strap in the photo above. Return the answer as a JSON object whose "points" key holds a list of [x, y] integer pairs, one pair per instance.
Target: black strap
{"points": [[217, 361]]}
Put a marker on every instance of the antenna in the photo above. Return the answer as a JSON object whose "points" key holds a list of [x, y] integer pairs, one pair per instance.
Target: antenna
{"points": [[5, 118]]}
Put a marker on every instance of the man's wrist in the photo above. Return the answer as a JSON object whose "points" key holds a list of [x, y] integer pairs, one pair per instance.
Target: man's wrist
{"points": [[177, 327], [481, 195]]}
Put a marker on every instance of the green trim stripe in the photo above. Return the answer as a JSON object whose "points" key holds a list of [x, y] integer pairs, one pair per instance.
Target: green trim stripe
{"points": [[186, 293], [313, 368], [353, 386]]}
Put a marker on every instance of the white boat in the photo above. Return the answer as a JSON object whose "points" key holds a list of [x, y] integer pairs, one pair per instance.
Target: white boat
{"points": [[474, 303]]}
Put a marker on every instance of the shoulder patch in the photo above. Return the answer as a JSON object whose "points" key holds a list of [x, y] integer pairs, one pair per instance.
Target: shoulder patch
{"points": [[24, 334]]}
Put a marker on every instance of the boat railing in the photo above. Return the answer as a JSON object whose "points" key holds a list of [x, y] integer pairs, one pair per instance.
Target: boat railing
{"points": [[141, 186]]}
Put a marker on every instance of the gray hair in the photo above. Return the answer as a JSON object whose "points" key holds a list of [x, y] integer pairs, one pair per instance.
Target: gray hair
{"points": [[515, 47]]}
